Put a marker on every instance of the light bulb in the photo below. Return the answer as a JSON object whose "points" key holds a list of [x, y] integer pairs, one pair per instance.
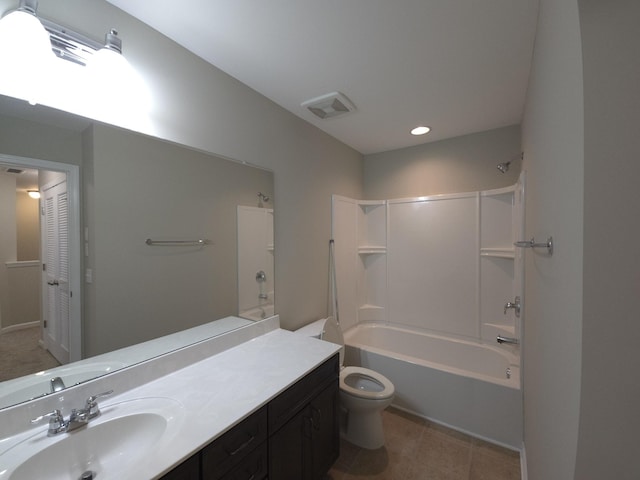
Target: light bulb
{"points": [[420, 130], [25, 55]]}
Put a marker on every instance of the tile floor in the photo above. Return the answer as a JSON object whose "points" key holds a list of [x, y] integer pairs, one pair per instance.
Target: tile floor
{"points": [[417, 449], [21, 354]]}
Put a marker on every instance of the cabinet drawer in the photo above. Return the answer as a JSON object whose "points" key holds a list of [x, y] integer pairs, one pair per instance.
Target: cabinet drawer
{"points": [[227, 451], [253, 467], [289, 402], [187, 470]]}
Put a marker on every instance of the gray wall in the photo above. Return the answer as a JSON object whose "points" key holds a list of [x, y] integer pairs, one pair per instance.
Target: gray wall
{"points": [[461, 164], [198, 105], [553, 158], [581, 325], [608, 444], [24, 138], [139, 187]]}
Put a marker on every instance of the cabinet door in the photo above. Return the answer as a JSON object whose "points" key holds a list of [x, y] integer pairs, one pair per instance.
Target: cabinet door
{"points": [[289, 448], [187, 470], [325, 432], [308, 444]]}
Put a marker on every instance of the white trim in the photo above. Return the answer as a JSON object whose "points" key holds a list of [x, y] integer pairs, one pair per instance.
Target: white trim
{"points": [[461, 430], [523, 463], [75, 257], [23, 264], [21, 326]]}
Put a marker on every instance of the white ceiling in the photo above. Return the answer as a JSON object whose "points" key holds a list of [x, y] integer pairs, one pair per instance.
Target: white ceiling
{"points": [[459, 66]]}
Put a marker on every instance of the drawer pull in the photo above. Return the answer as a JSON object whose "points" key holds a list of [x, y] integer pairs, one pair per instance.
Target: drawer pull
{"points": [[241, 447], [316, 418]]}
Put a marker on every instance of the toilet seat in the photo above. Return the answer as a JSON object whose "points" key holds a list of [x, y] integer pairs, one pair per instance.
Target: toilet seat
{"points": [[386, 390]]}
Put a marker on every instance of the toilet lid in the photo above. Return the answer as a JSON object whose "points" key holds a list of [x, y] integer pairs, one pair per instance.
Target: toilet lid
{"points": [[332, 332], [384, 388]]}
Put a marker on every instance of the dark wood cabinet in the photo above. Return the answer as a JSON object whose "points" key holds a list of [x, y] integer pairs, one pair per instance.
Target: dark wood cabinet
{"points": [[294, 437], [303, 426], [306, 446], [325, 432], [187, 470], [230, 449]]}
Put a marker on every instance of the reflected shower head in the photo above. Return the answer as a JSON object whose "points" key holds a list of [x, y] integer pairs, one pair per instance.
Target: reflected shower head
{"points": [[503, 167]]}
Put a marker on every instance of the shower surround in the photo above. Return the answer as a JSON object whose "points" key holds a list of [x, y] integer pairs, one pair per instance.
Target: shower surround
{"points": [[443, 267]]}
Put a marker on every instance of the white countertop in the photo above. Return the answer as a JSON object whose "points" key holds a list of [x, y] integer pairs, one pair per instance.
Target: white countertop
{"points": [[216, 393]]}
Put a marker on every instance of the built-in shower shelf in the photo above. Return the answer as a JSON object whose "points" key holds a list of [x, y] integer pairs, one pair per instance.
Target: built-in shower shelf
{"points": [[371, 249], [490, 330], [498, 252], [369, 312]]}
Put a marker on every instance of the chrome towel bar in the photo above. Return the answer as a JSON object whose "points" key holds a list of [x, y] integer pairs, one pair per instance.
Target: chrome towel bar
{"points": [[178, 243], [532, 244]]}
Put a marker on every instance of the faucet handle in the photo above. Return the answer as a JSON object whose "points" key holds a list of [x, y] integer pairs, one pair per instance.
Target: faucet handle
{"points": [[57, 423], [91, 405], [56, 416], [515, 305]]}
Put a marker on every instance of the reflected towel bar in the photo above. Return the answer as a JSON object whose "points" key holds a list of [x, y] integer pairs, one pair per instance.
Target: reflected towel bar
{"points": [[532, 244], [178, 243]]}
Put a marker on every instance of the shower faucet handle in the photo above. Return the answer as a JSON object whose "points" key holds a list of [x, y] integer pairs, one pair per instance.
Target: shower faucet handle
{"points": [[515, 305]]}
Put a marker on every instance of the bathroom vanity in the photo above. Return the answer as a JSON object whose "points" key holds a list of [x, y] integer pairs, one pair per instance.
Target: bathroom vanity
{"points": [[259, 402], [295, 436]]}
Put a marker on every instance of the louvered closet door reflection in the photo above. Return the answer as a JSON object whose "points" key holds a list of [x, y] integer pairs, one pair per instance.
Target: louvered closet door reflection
{"points": [[56, 259]]}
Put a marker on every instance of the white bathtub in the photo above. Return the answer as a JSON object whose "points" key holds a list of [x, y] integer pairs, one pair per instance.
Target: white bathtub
{"points": [[472, 387]]}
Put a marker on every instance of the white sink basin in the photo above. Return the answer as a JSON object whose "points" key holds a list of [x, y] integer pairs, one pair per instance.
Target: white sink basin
{"points": [[110, 446]]}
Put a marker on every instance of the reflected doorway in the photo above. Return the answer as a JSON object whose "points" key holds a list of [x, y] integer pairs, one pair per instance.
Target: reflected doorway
{"points": [[40, 259]]}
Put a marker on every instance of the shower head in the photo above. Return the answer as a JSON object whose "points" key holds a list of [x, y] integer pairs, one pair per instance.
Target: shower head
{"points": [[503, 167], [262, 197]]}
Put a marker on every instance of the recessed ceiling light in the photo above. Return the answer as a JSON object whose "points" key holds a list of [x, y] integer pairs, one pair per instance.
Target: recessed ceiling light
{"points": [[420, 130]]}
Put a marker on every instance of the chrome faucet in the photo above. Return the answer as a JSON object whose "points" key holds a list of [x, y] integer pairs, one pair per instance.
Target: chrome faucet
{"points": [[56, 384], [78, 418], [515, 305], [513, 341]]}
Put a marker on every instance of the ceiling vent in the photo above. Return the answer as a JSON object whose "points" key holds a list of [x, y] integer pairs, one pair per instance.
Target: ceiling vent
{"points": [[13, 170], [330, 105]]}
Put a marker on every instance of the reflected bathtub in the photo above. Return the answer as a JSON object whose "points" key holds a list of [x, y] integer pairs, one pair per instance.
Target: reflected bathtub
{"points": [[468, 386], [258, 313]]}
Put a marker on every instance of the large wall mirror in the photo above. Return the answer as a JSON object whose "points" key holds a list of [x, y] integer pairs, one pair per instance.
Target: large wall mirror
{"points": [[171, 243]]}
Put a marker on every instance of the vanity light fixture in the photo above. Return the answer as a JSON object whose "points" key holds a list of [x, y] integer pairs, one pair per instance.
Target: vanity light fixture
{"points": [[33, 193], [50, 36], [421, 130]]}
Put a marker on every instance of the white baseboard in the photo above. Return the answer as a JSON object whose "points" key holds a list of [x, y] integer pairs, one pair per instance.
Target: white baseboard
{"points": [[21, 326]]}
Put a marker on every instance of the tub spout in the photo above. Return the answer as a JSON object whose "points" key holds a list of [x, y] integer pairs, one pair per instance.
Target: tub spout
{"points": [[500, 339], [56, 384]]}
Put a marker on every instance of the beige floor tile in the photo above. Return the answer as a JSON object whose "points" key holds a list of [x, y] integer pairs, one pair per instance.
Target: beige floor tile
{"points": [[379, 464], [416, 449], [486, 466], [442, 455]]}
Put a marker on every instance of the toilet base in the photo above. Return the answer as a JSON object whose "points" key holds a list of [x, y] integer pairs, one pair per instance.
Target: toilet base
{"points": [[364, 429]]}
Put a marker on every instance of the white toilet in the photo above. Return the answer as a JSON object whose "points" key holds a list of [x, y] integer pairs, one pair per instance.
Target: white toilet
{"points": [[363, 392]]}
